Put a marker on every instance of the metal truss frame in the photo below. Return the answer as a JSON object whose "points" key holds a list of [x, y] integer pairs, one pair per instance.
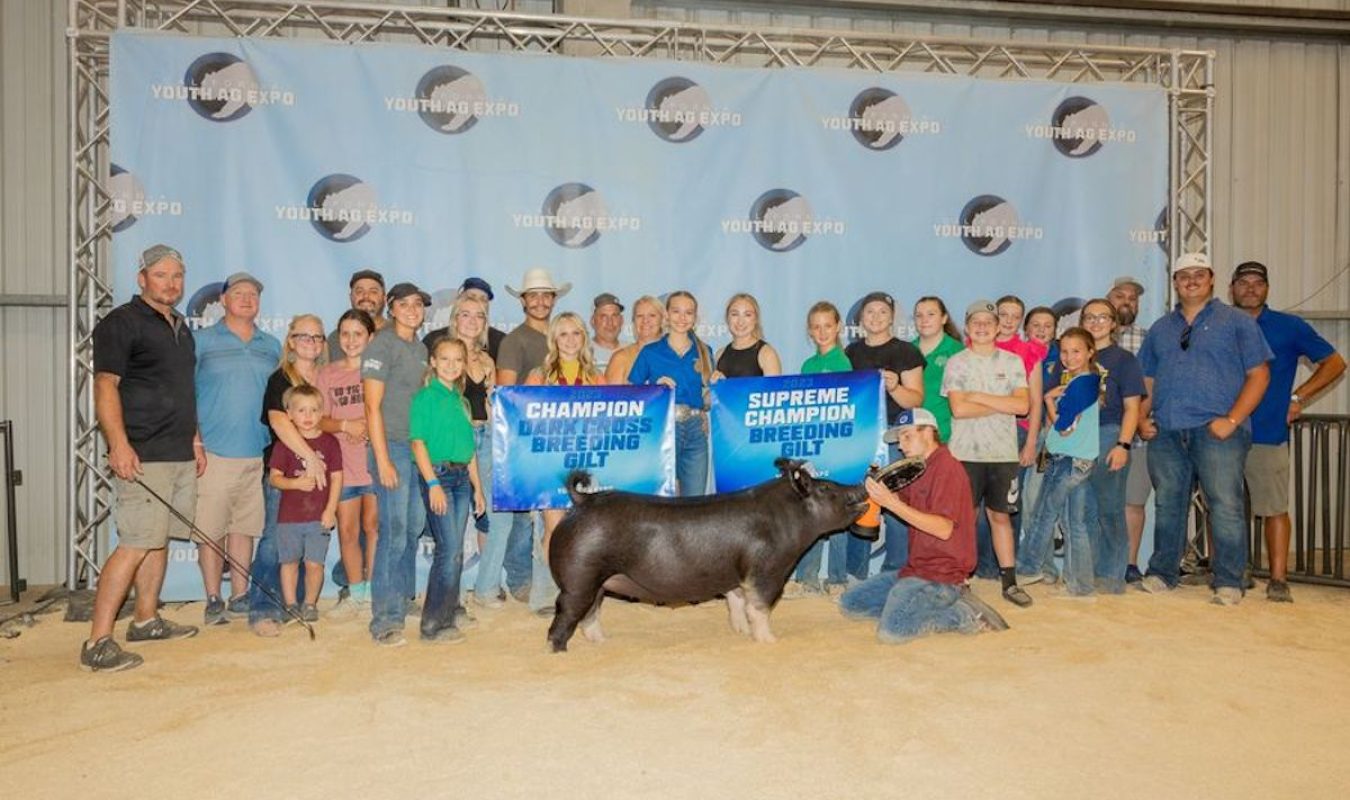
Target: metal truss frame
{"points": [[1187, 76]]}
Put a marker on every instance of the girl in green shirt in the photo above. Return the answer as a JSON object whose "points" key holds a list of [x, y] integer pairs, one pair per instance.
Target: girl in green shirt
{"points": [[441, 436], [938, 340]]}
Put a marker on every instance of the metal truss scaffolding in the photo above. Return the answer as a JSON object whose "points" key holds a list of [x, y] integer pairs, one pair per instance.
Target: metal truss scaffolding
{"points": [[1187, 76]]}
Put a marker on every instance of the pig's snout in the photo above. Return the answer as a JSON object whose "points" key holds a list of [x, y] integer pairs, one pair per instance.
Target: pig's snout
{"points": [[855, 497]]}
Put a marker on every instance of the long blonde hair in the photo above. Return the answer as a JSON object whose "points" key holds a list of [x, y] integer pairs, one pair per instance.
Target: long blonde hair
{"points": [[552, 369], [481, 342], [287, 362], [443, 342], [758, 331], [703, 364]]}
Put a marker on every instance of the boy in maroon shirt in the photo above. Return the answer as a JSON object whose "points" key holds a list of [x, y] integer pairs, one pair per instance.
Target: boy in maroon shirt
{"points": [[929, 594]]}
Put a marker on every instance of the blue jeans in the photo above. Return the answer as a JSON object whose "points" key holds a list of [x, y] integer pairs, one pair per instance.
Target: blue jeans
{"points": [[266, 571], [402, 517], [1063, 475], [836, 571], [896, 544], [543, 590], [691, 456], [498, 530], [447, 561], [1104, 498], [518, 559], [907, 608], [1176, 459]]}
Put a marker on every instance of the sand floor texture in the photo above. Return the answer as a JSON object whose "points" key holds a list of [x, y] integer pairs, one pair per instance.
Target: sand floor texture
{"points": [[1131, 696]]}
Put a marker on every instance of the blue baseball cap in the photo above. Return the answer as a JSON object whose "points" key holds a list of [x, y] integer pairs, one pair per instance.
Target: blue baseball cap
{"points": [[479, 284], [909, 417]]}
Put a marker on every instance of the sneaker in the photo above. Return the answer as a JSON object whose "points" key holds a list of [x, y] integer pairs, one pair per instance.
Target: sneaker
{"points": [[106, 656], [291, 614], [1059, 544], [1133, 575], [215, 611], [238, 606], [1153, 585], [1063, 593], [159, 629], [1027, 580], [391, 638], [446, 635], [309, 612], [1278, 592], [464, 620], [796, 590], [344, 594], [267, 628], [487, 602], [1226, 596], [985, 615], [545, 612], [521, 594], [361, 594], [1017, 596]]}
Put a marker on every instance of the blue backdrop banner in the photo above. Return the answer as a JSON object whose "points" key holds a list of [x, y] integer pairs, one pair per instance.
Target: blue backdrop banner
{"points": [[623, 435], [833, 420]]}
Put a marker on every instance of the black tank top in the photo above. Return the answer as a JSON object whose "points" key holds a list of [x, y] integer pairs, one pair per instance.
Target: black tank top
{"points": [[476, 394], [735, 363]]}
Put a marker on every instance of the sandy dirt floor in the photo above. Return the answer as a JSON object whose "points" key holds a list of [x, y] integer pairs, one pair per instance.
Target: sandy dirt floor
{"points": [[1133, 696]]}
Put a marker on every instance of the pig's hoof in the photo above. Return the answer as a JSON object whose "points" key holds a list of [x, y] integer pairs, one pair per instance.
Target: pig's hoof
{"points": [[765, 638], [559, 647], [593, 635]]}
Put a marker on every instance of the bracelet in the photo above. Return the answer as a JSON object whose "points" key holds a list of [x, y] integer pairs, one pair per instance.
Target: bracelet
{"points": [[1230, 419], [434, 482], [1125, 445]]}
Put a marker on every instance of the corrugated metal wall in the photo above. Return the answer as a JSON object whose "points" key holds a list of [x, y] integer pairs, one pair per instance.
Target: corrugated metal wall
{"points": [[1282, 195], [32, 262]]}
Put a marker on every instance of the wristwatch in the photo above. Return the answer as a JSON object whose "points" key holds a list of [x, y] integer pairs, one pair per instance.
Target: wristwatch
{"points": [[1125, 445]]}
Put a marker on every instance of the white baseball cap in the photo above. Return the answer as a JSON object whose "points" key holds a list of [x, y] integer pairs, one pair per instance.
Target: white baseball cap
{"points": [[1191, 261]]}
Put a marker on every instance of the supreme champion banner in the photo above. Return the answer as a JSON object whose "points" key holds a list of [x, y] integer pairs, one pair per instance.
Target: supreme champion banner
{"points": [[833, 420], [623, 435]]}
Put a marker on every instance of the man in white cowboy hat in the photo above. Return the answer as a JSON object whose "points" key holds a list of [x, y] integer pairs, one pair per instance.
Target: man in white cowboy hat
{"points": [[524, 349]]}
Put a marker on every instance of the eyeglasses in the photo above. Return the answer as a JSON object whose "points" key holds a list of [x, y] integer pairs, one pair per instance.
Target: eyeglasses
{"points": [[1186, 337], [311, 338], [1097, 318]]}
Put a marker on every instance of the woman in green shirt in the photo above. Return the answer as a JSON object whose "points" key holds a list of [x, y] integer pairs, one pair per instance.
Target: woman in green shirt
{"points": [[441, 436], [823, 325], [938, 340]]}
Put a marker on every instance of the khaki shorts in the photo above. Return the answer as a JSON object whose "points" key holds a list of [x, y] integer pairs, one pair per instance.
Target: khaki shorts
{"points": [[142, 521], [1268, 479], [230, 497], [1138, 486]]}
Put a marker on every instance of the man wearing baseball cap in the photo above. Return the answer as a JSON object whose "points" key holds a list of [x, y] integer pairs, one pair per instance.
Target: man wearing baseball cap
{"points": [[606, 322], [987, 388], [234, 360], [1267, 468], [1205, 370], [366, 292], [929, 594], [144, 357]]}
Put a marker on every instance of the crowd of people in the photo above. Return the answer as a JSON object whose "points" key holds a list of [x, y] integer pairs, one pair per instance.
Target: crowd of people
{"points": [[1031, 426]]}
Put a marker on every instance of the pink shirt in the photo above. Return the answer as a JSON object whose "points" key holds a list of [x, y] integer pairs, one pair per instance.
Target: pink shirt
{"points": [[1031, 352], [342, 400]]}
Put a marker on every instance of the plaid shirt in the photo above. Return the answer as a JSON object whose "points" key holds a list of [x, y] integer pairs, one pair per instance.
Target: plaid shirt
{"points": [[1130, 337]]}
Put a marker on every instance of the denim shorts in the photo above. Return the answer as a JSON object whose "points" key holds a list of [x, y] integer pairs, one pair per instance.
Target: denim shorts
{"points": [[353, 492], [301, 541]]}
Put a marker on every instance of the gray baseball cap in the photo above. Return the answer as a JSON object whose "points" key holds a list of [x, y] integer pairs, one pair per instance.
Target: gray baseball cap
{"points": [[241, 277], [156, 253]]}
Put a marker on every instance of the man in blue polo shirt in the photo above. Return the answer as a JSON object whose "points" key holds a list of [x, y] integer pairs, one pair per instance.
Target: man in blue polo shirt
{"points": [[1291, 339], [234, 360], [1205, 371]]}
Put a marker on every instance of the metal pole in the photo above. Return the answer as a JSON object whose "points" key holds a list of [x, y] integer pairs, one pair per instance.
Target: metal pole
{"points": [[16, 584], [73, 398]]}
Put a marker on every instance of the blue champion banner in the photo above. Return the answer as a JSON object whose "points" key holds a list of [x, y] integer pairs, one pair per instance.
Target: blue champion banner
{"points": [[623, 435], [833, 420]]}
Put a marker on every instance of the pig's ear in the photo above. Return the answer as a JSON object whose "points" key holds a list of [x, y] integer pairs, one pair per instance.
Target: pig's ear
{"points": [[801, 479], [783, 465]]}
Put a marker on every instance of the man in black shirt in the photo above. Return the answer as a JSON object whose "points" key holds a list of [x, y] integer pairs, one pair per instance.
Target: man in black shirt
{"points": [[144, 398]]}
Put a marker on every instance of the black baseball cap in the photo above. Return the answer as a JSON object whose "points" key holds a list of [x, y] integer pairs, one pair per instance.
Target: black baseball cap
{"points": [[607, 299], [366, 274], [1250, 268], [402, 290]]}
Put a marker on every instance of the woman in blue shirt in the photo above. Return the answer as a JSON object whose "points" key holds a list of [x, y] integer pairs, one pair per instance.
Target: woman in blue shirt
{"points": [[682, 362]]}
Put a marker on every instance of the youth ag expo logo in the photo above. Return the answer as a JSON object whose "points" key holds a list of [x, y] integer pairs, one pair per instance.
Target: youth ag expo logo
{"points": [[342, 208], [1078, 128], [222, 87], [781, 220], [451, 100], [880, 119], [574, 215], [988, 225], [128, 201]]}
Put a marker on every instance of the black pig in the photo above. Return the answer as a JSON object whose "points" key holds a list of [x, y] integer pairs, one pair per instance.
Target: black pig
{"points": [[689, 549]]}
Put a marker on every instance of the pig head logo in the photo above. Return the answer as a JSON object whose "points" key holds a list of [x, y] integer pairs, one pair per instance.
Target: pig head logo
{"points": [[987, 221], [880, 118], [340, 201], [780, 220], [223, 81], [676, 106], [1079, 114], [448, 95], [574, 212]]}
